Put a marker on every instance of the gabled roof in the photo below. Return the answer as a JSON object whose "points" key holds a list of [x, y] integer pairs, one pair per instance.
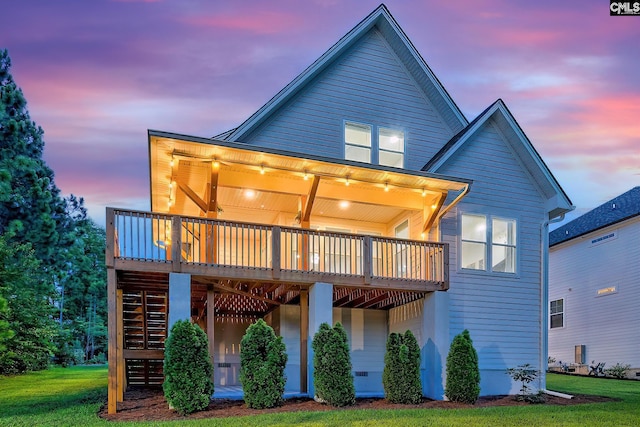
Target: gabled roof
{"points": [[387, 25], [616, 210], [558, 202]]}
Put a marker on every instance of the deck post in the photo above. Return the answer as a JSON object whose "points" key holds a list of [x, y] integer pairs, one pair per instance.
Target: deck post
{"points": [[320, 311], [112, 349], [176, 243], [120, 371], [435, 343], [304, 338], [179, 298], [275, 251], [367, 259], [211, 311]]}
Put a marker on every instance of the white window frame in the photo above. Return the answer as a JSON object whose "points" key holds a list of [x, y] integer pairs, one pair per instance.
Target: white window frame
{"points": [[489, 244], [561, 313], [374, 142]]}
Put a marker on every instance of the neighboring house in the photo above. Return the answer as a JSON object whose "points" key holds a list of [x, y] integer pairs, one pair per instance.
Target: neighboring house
{"points": [[359, 193], [594, 286]]}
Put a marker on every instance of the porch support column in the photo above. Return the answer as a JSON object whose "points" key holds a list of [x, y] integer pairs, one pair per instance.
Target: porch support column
{"points": [[304, 338], [435, 326], [112, 324], [179, 297], [210, 323], [320, 311]]}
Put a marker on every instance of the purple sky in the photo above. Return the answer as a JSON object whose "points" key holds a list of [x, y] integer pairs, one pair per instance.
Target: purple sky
{"points": [[97, 74]]}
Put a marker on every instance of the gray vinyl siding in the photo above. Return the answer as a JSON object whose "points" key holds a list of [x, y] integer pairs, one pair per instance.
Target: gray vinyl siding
{"points": [[367, 335], [608, 324], [501, 311], [367, 84]]}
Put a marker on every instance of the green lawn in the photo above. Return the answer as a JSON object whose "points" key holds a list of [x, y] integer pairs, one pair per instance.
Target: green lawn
{"points": [[72, 396]]}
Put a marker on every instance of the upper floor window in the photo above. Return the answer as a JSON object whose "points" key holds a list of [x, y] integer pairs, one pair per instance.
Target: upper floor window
{"points": [[391, 146], [488, 243], [387, 149], [357, 142], [556, 313]]}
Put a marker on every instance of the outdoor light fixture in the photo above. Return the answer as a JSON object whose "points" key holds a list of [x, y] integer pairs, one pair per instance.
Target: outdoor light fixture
{"points": [[261, 169], [386, 186]]}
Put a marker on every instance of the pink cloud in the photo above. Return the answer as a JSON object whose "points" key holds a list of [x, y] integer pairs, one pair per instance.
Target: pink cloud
{"points": [[259, 22]]}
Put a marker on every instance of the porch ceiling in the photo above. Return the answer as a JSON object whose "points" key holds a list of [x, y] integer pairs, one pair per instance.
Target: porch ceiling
{"points": [[196, 177]]}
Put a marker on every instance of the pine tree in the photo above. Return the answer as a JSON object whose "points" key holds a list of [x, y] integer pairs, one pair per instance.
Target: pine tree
{"points": [[401, 375], [332, 377], [28, 312], [31, 208], [68, 246], [263, 359], [463, 372]]}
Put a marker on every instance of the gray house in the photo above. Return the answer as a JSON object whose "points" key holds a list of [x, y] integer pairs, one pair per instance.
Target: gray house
{"points": [[594, 286], [359, 193]]}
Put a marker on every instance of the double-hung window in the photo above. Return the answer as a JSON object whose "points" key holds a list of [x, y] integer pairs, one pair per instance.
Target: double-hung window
{"points": [[488, 243], [357, 142], [386, 148], [556, 313]]}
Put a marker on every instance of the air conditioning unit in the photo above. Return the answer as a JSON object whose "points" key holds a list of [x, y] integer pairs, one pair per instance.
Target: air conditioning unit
{"points": [[580, 354]]}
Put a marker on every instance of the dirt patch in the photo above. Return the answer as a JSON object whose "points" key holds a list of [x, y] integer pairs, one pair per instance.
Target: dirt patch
{"points": [[150, 405]]}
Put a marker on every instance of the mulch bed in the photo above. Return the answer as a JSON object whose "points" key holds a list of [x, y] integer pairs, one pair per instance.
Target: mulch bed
{"points": [[150, 405]]}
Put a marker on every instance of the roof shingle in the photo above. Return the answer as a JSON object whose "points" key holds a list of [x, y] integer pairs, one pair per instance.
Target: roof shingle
{"points": [[625, 206]]}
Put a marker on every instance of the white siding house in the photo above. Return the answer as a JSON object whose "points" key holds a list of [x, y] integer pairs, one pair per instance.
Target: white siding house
{"points": [[358, 194], [594, 286]]}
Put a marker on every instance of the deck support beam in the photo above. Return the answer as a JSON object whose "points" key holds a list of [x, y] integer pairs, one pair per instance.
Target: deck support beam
{"points": [[320, 311], [304, 338]]}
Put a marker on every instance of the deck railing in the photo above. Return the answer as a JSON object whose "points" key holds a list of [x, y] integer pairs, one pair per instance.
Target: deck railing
{"points": [[172, 239]]}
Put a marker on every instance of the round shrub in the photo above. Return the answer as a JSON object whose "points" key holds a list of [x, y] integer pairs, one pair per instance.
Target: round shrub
{"points": [[401, 375], [263, 358], [463, 373], [187, 368], [332, 377]]}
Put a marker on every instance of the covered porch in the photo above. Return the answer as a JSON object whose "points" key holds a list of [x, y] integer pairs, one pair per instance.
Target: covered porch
{"points": [[239, 233]]}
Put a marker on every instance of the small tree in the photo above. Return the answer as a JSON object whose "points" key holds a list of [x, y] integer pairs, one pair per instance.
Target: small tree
{"points": [[401, 375], [187, 368], [524, 374], [332, 377], [618, 370], [262, 361], [463, 373]]}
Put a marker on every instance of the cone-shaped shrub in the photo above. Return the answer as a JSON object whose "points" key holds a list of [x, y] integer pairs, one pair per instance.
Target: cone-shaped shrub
{"points": [[401, 375], [262, 361], [187, 368], [463, 373], [332, 377]]}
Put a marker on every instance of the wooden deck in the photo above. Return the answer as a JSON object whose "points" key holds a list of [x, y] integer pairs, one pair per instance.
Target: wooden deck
{"points": [[234, 251]]}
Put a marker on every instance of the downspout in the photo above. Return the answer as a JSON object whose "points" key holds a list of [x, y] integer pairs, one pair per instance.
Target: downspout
{"points": [[544, 301]]}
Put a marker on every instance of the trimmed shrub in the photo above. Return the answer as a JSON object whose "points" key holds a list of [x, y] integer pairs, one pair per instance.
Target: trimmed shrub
{"points": [[401, 375], [332, 377], [187, 368], [463, 373], [617, 371], [262, 361]]}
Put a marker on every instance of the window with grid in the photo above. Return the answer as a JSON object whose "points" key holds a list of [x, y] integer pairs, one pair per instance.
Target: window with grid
{"points": [[357, 142], [556, 314]]}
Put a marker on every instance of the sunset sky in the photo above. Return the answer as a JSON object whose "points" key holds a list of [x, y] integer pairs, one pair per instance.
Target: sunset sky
{"points": [[97, 74]]}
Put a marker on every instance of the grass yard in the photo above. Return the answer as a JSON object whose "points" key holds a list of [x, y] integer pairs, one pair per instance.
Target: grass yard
{"points": [[72, 397]]}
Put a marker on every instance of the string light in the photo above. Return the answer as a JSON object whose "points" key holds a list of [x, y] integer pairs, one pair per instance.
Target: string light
{"points": [[306, 175], [261, 169], [386, 186], [347, 181], [424, 192]]}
